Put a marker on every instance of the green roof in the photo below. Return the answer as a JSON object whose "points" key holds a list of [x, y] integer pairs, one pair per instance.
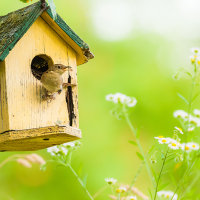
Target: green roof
{"points": [[14, 25]]}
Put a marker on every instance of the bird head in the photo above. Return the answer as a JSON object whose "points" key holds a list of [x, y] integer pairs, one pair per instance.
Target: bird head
{"points": [[59, 68]]}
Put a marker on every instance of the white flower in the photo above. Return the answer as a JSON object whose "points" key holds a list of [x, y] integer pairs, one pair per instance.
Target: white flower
{"points": [[185, 147], [109, 97], [131, 102], [69, 144], [180, 130], [53, 150], [194, 120], [159, 137], [195, 50], [110, 181], [197, 112], [180, 114], [193, 146], [122, 189], [174, 145], [131, 198], [167, 195], [121, 98], [191, 128], [164, 140], [64, 150]]}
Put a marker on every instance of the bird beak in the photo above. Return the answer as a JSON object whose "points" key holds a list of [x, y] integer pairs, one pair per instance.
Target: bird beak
{"points": [[66, 67]]}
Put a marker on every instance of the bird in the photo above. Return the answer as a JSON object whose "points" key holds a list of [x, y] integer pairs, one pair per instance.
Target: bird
{"points": [[52, 80]]}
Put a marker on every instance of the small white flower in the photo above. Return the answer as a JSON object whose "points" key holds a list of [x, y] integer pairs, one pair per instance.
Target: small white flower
{"points": [[109, 97], [53, 150], [180, 130], [167, 195], [110, 181], [197, 112], [164, 140], [193, 146], [122, 189], [191, 128], [195, 50], [180, 114], [64, 150], [131, 198], [159, 137], [174, 145], [194, 120], [185, 147], [121, 98], [69, 144]]}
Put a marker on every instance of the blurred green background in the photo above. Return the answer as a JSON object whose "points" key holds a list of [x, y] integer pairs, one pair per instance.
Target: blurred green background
{"points": [[138, 46]]}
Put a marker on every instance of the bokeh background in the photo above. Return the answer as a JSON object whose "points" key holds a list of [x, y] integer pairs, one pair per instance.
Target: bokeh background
{"points": [[138, 46]]}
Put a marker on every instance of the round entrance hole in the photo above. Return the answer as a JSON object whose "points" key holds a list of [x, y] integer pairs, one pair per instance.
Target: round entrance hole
{"points": [[40, 64]]}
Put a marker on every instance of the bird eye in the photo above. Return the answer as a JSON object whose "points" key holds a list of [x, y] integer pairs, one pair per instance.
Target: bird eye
{"points": [[59, 67]]}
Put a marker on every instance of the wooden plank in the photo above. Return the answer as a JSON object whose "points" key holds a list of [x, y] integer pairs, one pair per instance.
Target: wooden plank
{"points": [[27, 109], [4, 121], [39, 138]]}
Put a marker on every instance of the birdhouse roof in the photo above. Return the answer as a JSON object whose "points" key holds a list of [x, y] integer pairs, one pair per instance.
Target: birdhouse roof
{"points": [[14, 25]]}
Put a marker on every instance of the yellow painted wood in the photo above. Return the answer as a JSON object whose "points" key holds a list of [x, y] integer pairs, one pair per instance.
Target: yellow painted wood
{"points": [[4, 121], [35, 139], [81, 58], [26, 108]]}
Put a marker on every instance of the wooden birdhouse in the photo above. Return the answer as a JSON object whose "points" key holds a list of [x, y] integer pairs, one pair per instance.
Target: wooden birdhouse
{"points": [[31, 42]]}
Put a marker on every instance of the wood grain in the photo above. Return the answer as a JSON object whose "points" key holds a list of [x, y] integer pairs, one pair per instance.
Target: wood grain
{"points": [[39, 138]]}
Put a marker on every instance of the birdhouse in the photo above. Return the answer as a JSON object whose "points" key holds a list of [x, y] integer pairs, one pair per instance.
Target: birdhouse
{"points": [[33, 43]]}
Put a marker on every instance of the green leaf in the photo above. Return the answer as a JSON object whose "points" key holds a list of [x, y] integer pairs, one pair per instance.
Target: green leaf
{"points": [[53, 9], [183, 98], [140, 156], [24, 1], [85, 180], [163, 186], [132, 142], [189, 74]]}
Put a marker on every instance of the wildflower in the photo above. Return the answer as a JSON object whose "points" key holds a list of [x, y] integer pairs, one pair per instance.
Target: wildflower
{"points": [[192, 59], [180, 130], [193, 146], [159, 137], [131, 198], [167, 195], [69, 144], [180, 114], [24, 162], [197, 112], [174, 145], [122, 98], [111, 181], [190, 128], [121, 189], [53, 150], [195, 50], [64, 150], [185, 147], [194, 120], [164, 140]]}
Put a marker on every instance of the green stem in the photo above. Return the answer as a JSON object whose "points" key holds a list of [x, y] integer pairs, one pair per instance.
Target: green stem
{"points": [[100, 191], [161, 170], [139, 145], [80, 181], [190, 185]]}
